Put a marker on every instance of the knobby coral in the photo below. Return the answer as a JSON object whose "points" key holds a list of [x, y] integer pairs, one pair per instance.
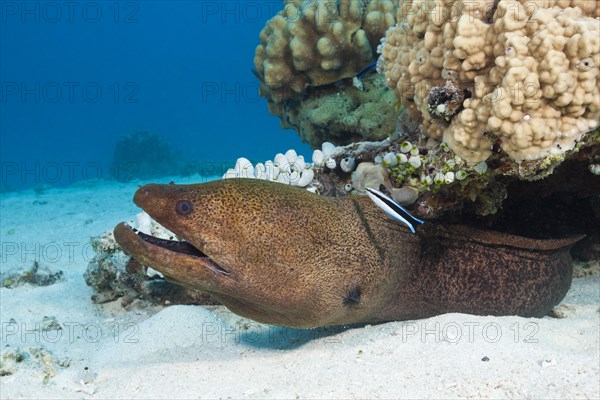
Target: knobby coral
{"points": [[317, 42], [519, 74]]}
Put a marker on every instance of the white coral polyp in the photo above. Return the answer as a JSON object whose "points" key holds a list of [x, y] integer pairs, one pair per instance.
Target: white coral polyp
{"points": [[288, 168]]}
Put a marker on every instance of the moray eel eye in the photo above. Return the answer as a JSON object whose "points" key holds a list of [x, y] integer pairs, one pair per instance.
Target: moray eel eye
{"points": [[184, 207]]}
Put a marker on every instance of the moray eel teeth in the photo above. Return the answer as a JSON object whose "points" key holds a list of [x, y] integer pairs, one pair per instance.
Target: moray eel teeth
{"points": [[182, 247], [173, 245], [134, 241], [393, 209]]}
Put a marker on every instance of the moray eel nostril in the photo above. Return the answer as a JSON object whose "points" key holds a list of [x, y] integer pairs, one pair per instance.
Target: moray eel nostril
{"points": [[140, 196], [281, 255]]}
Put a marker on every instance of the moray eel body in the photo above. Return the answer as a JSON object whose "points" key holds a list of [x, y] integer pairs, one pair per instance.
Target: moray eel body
{"points": [[281, 255]]}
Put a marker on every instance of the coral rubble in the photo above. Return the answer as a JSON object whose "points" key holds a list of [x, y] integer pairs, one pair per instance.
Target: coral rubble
{"points": [[114, 275], [36, 275], [38, 360]]}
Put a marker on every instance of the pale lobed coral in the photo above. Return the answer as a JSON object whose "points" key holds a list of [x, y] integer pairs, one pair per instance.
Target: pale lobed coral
{"points": [[290, 168], [317, 42], [520, 74]]}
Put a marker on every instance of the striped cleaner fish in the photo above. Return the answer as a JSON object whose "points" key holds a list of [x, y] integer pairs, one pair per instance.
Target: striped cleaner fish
{"points": [[393, 209]]}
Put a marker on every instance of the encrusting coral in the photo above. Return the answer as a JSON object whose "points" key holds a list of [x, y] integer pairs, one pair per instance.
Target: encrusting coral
{"points": [[522, 75], [317, 42], [343, 113]]}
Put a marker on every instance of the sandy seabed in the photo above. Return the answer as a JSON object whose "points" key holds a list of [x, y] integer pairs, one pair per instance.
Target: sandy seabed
{"points": [[57, 344]]}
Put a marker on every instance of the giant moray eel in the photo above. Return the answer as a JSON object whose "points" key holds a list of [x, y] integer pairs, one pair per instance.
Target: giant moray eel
{"points": [[281, 255]]}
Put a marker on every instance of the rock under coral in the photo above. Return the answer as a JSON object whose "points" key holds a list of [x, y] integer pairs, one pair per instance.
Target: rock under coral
{"points": [[420, 171], [370, 175], [405, 195], [528, 72]]}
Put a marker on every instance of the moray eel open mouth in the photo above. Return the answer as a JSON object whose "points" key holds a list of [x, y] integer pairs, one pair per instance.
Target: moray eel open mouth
{"points": [[134, 241], [179, 246]]}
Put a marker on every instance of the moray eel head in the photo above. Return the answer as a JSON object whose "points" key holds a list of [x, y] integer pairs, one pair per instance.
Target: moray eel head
{"points": [[250, 245]]}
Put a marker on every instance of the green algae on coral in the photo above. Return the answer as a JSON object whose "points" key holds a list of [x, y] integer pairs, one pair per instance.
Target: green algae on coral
{"points": [[341, 113]]}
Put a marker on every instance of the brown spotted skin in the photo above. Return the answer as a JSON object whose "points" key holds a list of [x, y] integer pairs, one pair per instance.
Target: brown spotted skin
{"points": [[297, 259]]}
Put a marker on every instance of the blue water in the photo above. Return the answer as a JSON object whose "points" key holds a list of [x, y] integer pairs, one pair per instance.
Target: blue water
{"points": [[77, 75]]}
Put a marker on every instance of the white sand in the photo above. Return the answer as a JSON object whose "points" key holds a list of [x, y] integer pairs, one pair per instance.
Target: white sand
{"points": [[197, 352]]}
